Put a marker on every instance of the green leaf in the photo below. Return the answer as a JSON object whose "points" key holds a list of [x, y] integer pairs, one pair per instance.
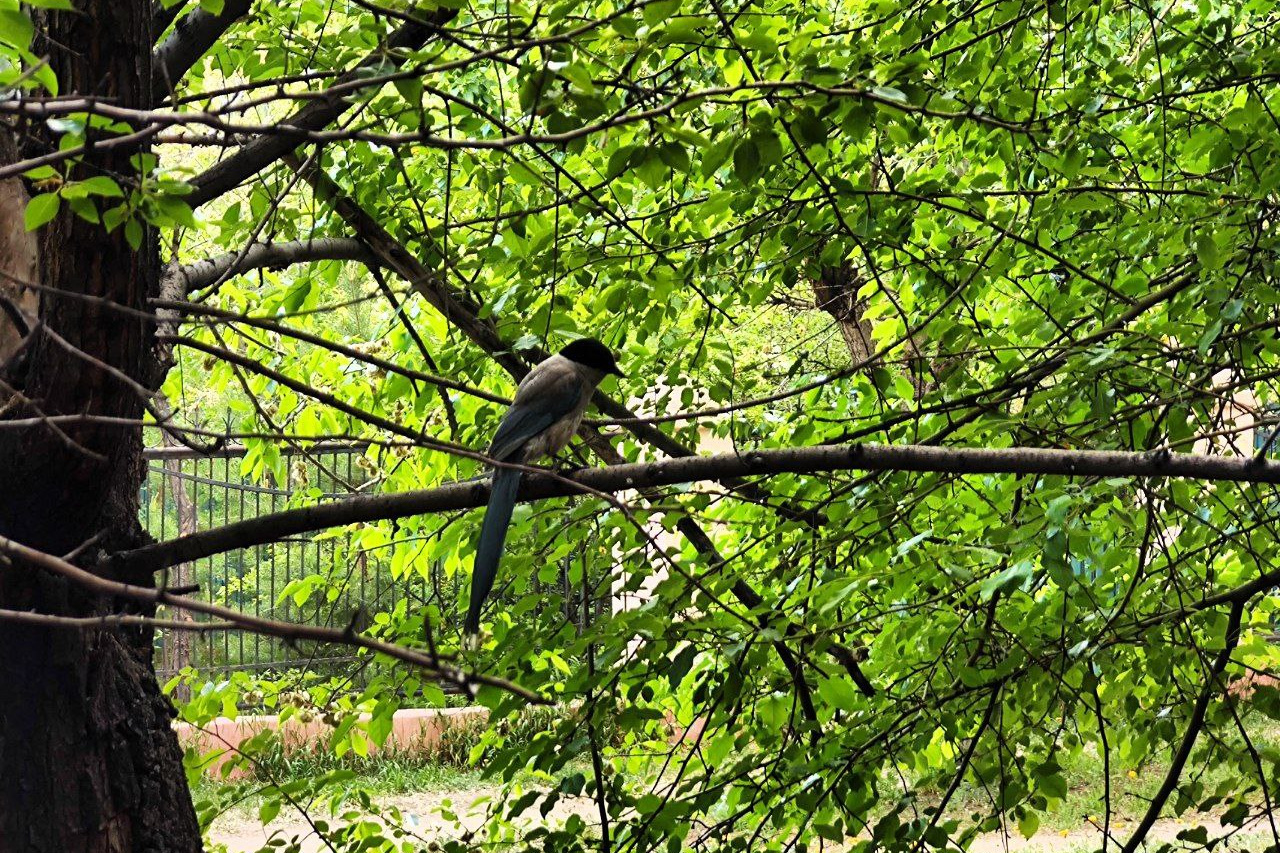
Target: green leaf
{"points": [[1236, 815], [269, 809], [1207, 252], [674, 156], [773, 710], [115, 217], [410, 88], [433, 696], [1053, 786], [619, 160], [177, 211], [655, 13], [1028, 824], [746, 161], [810, 129], [133, 233], [85, 209], [42, 73], [41, 209], [839, 693], [101, 185], [829, 831], [533, 88], [769, 146], [718, 748], [889, 93], [681, 664], [15, 28], [1209, 335], [1007, 580]]}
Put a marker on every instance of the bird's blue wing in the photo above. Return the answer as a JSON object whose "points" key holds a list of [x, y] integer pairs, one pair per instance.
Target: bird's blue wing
{"points": [[543, 398], [520, 424]]}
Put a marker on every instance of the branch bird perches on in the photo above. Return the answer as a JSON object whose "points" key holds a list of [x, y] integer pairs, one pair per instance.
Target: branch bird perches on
{"points": [[686, 469]]}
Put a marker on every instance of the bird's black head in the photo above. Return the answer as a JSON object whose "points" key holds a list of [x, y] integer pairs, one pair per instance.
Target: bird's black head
{"points": [[591, 353]]}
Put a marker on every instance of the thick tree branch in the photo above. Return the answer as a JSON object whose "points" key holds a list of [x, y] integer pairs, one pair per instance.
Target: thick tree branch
{"points": [[188, 277], [192, 36], [667, 472], [162, 17], [265, 150]]}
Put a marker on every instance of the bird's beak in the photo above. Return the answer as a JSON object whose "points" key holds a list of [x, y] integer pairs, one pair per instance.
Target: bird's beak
{"points": [[618, 373]]}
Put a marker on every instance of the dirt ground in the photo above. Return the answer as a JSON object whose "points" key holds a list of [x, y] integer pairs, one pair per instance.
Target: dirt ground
{"points": [[241, 833]]}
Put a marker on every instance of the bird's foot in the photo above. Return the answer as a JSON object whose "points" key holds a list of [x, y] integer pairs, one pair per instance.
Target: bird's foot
{"points": [[564, 466]]}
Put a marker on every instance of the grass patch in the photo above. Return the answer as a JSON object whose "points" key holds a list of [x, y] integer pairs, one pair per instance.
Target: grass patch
{"points": [[1131, 790], [388, 773]]}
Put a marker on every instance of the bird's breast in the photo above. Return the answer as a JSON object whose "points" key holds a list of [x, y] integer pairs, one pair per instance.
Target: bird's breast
{"points": [[553, 439]]}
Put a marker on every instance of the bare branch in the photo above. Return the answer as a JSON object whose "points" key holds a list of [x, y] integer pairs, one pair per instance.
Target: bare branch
{"points": [[668, 472], [188, 277], [113, 620]]}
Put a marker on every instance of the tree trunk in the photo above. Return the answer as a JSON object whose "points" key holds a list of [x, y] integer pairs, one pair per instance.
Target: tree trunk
{"points": [[835, 290], [88, 760]]}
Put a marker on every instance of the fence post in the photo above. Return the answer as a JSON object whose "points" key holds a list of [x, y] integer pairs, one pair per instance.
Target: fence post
{"points": [[177, 648]]}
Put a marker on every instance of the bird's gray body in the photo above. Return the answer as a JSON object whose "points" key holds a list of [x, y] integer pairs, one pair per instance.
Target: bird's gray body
{"points": [[546, 412], [543, 418]]}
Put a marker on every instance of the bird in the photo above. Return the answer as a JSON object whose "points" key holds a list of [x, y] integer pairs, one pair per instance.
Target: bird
{"points": [[543, 417]]}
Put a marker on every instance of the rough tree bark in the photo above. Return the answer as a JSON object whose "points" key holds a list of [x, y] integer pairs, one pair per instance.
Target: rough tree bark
{"points": [[18, 253], [88, 761]]}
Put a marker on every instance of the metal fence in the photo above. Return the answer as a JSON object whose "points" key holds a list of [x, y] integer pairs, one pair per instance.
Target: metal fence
{"points": [[185, 491]]}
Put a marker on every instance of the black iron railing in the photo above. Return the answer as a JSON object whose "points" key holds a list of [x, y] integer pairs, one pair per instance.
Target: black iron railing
{"points": [[331, 579], [326, 580]]}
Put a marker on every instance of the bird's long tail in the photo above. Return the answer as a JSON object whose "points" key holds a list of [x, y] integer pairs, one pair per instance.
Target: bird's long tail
{"points": [[493, 534]]}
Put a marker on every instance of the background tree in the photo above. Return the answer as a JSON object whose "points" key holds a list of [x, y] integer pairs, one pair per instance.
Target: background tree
{"points": [[1036, 228]]}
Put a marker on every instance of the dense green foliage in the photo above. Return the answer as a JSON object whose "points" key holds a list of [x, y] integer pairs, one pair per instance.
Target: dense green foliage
{"points": [[1052, 226]]}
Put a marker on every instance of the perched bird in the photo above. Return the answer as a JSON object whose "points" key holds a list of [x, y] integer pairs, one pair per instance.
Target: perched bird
{"points": [[543, 417]]}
